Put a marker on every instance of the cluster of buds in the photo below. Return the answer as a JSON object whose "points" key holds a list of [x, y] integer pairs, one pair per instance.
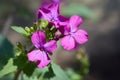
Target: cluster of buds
{"points": [[51, 27]]}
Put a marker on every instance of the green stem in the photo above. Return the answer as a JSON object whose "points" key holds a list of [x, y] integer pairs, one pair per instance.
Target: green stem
{"points": [[17, 75]]}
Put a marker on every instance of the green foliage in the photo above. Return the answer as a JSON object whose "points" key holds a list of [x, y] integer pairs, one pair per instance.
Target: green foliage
{"points": [[20, 30], [59, 73], [6, 51], [20, 61], [48, 74], [30, 78], [42, 73], [20, 49], [29, 68], [8, 68], [52, 72], [73, 75], [78, 9], [7, 77], [42, 24], [24, 65], [83, 58], [85, 65]]}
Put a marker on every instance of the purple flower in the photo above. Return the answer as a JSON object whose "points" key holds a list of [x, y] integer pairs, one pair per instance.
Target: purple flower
{"points": [[41, 53], [72, 34], [52, 15]]}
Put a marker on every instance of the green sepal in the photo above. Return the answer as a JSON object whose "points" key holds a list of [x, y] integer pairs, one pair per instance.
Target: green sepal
{"points": [[20, 30], [42, 24], [20, 49]]}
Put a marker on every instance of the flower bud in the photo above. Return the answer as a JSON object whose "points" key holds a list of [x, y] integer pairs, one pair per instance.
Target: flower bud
{"points": [[27, 29]]}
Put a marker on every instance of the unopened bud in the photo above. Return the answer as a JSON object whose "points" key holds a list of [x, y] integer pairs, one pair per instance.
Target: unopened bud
{"points": [[31, 29], [27, 29], [43, 24]]}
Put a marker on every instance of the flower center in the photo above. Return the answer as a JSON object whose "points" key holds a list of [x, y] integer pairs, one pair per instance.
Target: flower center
{"points": [[42, 49], [52, 20]]}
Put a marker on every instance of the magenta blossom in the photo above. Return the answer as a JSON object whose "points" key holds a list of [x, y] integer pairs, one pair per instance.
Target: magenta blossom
{"points": [[51, 14], [41, 53], [72, 34]]}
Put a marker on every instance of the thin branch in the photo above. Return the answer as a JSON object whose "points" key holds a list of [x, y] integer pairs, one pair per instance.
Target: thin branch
{"points": [[17, 75], [22, 77]]}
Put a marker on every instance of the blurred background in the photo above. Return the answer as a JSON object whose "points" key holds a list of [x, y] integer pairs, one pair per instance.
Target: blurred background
{"points": [[101, 21]]}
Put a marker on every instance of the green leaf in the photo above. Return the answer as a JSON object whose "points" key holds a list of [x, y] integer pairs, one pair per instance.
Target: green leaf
{"points": [[73, 75], [8, 68], [59, 73], [78, 9], [50, 73], [20, 61], [30, 78], [20, 30], [40, 72], [23, 64], [29, 68], [6, 51], [7, 77]]}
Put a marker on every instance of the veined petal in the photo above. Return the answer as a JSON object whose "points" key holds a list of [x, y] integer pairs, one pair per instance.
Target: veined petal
{"points": [[68, 42], [50, 46], [80, 36], [75, 22], [56, 1], [47, 3], [38, 39], [44, 60], [40, 56], [64, 29], [54, 8], [34, 55], [62, 20], [45, 14], [56, 24]]}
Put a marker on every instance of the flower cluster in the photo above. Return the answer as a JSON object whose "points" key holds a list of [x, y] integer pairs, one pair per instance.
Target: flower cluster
{"points": [[60, 28]]}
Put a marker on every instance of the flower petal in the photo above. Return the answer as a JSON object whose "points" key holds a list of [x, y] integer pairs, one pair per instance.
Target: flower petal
{"points": [[38, 39], [40, 56], [47, 3], [50, 46], [68, 42], [45, 14], [75, 22], [44, 60], [54, 8], [34, 55], [80, 36], [62, 20], [56, 1], [65, 29]]}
